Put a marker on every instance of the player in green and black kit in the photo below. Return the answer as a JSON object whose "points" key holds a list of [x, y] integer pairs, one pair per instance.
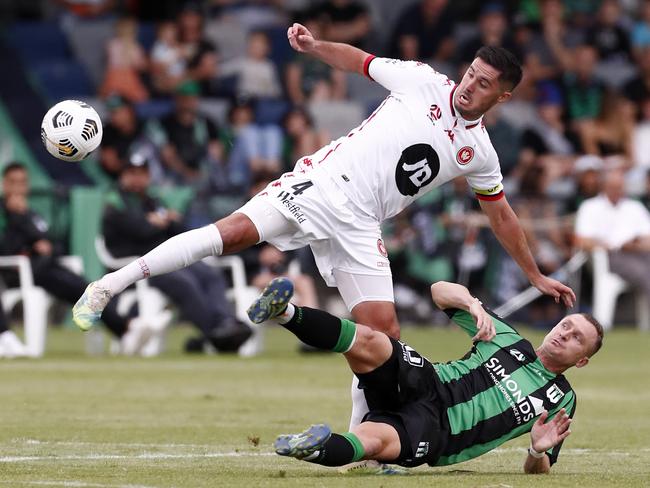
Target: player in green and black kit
{"points": [[441, 413]]}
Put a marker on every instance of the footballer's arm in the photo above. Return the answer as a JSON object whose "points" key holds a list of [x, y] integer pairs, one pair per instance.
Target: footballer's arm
{"points": [[337, 55], [507, 229]]}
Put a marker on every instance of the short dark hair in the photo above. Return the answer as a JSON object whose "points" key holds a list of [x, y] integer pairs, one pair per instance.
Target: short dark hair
{"points": [[14, 166], [599, 330], [504, 61]]}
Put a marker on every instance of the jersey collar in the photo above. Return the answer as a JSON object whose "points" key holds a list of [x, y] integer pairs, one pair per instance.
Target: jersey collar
{"points": [[468, 124]]}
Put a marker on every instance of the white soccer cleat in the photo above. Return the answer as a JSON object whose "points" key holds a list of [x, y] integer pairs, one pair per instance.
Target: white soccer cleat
{"points": [[88, 309]]}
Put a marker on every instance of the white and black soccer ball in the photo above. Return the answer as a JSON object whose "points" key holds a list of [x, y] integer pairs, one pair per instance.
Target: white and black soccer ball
{"points": [[71, 130]]}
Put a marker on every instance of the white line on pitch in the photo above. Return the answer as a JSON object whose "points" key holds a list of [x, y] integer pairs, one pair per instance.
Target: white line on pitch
{"points": [[73, 484], [103, 457]]}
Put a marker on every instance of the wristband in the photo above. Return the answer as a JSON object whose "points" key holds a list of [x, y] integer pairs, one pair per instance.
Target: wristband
{"points": [[535, 454]]}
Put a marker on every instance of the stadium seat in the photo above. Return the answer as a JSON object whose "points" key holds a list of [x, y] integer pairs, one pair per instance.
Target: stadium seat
{"points": [[607, 288], [215, 109], [154, 109], [30, 39], [62, 79], [96, 33], [281, 50], [36, 301], [337, 118], [229, 37], [270, 111]]}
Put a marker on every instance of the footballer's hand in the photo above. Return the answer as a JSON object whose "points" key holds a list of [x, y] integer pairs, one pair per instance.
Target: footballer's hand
{"points": [[559, 291], [484, 324], [300, 38], [545, 435]]}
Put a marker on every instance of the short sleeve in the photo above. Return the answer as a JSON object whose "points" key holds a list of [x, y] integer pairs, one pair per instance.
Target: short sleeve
{"points": [[487, 182], [398, 76]]}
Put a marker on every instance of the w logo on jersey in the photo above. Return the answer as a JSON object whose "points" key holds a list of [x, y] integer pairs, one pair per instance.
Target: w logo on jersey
{"points": [[554, 394]]}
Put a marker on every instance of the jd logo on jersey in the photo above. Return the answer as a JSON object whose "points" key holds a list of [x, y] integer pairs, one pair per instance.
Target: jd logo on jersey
{"points": [[417, 167]]}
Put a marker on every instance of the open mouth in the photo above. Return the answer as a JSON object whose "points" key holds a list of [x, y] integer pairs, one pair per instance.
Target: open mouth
{"points": [[464, 99]]}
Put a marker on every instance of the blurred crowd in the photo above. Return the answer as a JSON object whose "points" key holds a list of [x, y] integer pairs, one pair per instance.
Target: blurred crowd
{"points": [[239, 108]]}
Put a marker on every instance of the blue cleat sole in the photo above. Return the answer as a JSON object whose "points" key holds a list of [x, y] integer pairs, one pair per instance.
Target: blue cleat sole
{"points": [[272, 302], [304, 444]]}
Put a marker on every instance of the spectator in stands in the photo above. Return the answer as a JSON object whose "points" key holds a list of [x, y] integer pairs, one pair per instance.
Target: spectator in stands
{"points": [[24, 232], [607, 35], [637, 90], [123, 134], [188, 141], [640, 35], [167, 62], [609, 134], [200, 55], [134, 222], [126, 62], [493, 31], [308, 79], [587, 174], [256, 149], [549, 138], [584, 92], [256, 74], [424, 31], [301, 136], [345, 21], [621, 226]]}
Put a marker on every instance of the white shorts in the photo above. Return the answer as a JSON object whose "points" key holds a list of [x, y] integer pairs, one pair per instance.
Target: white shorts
{"points": [[344, 240]]}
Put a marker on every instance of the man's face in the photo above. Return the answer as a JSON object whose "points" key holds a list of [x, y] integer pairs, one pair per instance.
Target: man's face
{"points": [[479, 90], [570, 342], [15, 183], [135, 180], [187, 104]]}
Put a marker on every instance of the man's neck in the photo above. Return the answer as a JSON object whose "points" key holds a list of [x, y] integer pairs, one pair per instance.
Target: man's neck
{"points": [[548, 363]]}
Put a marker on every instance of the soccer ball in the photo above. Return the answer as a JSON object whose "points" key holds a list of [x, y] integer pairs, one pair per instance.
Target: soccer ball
{"points": [[71, 130]]}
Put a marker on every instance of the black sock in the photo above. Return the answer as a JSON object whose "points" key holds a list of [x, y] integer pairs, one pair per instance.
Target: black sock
{"points": [[339, 450], [321, 329]]}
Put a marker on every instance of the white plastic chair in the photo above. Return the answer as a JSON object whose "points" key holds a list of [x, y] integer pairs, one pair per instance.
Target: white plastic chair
{"points": [[242, 295], [36, 301], [607, 288]]}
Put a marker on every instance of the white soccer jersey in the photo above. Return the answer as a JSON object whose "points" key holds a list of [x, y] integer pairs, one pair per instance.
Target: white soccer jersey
{"points": [[413, 142]]}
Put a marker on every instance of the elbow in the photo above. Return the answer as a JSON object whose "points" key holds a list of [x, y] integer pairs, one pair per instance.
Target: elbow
{"points": [[437, 293]]}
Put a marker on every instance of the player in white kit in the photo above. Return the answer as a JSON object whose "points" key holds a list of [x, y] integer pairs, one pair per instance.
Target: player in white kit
{"points": [[425, 133]]}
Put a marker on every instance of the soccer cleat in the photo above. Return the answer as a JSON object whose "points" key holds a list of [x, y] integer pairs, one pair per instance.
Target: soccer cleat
{"points": [[88, 309], [304, 444], [272, 302]]}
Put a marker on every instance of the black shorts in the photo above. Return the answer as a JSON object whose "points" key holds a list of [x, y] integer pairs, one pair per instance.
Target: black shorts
{"points": [[404, 393]]}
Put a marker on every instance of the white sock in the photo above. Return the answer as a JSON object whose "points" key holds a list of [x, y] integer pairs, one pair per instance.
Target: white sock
{"points": [[359, 404], [287, 315], [178, 252]]}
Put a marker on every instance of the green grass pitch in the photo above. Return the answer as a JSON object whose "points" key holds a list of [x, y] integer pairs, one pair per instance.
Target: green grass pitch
{"points": [[176, 421]]}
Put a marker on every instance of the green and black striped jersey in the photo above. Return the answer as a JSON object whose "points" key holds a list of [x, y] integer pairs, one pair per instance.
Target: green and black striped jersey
{"points": [[496, 392]]}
